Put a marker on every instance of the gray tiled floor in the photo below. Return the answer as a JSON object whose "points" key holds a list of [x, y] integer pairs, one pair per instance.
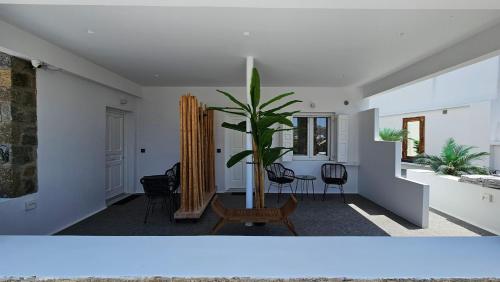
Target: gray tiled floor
{"points": [[359, 217]]}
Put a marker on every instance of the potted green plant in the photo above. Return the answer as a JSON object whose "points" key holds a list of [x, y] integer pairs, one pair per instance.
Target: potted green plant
{"points": [[454, 160], [390, 134], [263, 120]]}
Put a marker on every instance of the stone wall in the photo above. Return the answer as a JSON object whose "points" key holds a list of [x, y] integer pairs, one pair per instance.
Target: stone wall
{"points": [[18, 127]]}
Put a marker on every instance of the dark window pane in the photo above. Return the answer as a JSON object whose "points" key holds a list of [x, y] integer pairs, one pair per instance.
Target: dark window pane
{"points": [[320, 136], [300, 136]]}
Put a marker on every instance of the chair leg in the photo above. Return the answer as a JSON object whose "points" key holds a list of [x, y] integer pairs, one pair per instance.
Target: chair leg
{"points": [[291, 188], [269, 188], [148, 207], [290, 226], [177, 201], [170, 207], [280, 186], [324, 191], [302, 189], [312, 184], [153, 204], [342, 193], [218, 226]]}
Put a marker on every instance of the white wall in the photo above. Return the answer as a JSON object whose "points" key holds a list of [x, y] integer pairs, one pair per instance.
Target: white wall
{"points": [[472, 96], [465, 124], [71, 160], [495, 115], [465, 201], [495, 157], [471, 84], [380, 175], [159, 123]]}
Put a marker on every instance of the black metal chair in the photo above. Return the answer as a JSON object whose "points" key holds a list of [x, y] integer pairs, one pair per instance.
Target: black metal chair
{"points": [[334, 174], [162, 188], [174, 174], [279, 175]]}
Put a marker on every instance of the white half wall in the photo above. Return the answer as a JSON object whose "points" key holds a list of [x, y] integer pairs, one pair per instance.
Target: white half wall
{"points": [[465, 201], [380, 175], [221, 258], [159, 124], [71, 154]]}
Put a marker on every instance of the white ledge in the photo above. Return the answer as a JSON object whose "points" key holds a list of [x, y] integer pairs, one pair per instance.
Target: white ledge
{"points": [[290, 4], [257, 257]]}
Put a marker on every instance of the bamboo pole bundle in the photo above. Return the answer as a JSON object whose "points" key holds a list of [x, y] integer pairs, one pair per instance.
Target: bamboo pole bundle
{"points": [[197, 156], [204, 151], [200, 160], [210, 151]]}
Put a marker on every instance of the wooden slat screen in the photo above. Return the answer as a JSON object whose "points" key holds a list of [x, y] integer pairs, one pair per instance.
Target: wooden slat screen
{"points": [[197, 154]]}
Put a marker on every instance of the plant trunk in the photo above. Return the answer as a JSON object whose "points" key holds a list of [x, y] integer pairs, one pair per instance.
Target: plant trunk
{"points": [[258, 176]]}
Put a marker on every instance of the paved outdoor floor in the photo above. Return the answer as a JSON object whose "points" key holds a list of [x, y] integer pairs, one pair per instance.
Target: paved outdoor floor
{"points": [[359, 217]]}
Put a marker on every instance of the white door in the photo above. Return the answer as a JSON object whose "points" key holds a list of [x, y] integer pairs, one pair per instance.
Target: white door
{"points": [[235, 143], [115, 153]]}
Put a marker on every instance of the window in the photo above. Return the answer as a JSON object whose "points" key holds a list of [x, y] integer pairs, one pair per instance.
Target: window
{"points": [[312, 137], [300, 136], [414, 142]]}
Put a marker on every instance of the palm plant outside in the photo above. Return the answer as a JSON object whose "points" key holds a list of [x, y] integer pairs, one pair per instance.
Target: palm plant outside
{"points": [[390, 134], [263, 122], [454, 160]]}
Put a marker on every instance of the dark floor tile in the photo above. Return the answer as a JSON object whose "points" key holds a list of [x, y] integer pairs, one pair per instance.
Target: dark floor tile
{"points": [[312, 218]]}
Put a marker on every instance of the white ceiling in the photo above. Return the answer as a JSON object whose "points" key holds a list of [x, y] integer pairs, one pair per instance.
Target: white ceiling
{"points": [[206, 46]]}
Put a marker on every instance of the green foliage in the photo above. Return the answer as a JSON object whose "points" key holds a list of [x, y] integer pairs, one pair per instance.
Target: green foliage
{"points": [[416, 146], [262, 123], [455, 160], [390, 134]]}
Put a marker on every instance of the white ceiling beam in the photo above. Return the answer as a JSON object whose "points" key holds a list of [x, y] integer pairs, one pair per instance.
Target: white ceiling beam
{"points": [[291, 4], [481, 46], [28, 46]]}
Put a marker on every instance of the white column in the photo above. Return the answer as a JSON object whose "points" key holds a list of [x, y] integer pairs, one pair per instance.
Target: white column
{"points": [[249, 166]]}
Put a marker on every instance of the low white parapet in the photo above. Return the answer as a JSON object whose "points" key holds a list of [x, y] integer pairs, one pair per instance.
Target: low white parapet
{"points": [[268, 257], [472, 203]]}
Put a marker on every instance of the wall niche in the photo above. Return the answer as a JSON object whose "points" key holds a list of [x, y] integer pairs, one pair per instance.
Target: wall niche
{"points": [[18, 127]]}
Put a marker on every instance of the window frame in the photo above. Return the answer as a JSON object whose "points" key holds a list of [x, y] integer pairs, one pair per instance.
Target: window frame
{"points": [[421, 144], [310, 137]]}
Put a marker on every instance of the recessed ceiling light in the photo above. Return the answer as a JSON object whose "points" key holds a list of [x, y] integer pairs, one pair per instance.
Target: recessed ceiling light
{"points": [[246, 33], [156, 75], [89, 31]]}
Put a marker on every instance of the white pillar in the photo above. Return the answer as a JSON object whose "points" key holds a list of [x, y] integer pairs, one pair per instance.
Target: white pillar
{"points": [[249, 166]]}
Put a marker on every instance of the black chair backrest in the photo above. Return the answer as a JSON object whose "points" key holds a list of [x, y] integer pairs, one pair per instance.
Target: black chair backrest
{"points": [[155, 185], [275, 171], [177, 171], [174, 175], [334, 171]]}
